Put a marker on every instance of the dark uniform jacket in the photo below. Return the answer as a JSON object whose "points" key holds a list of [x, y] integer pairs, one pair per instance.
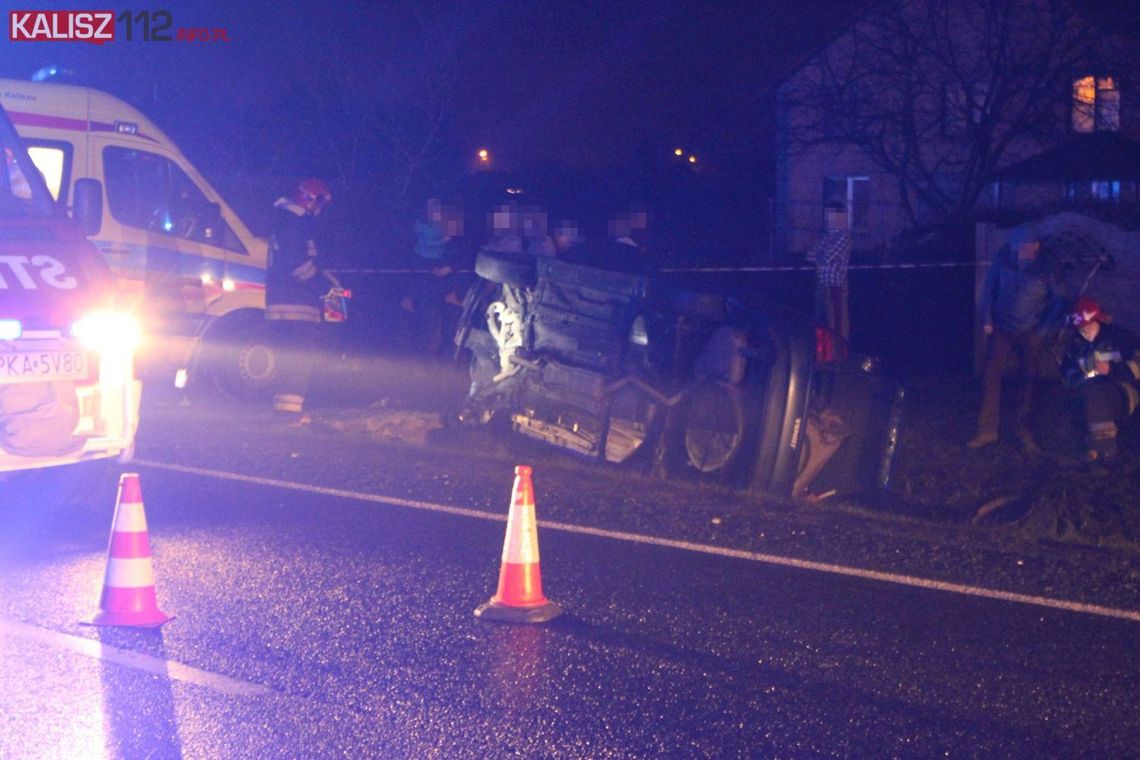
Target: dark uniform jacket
{"points": [[1115, 345], [293, 283]]}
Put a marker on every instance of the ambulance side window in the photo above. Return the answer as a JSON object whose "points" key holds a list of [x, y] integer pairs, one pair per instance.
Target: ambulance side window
{"points": [[151, 192], [53, 159]]}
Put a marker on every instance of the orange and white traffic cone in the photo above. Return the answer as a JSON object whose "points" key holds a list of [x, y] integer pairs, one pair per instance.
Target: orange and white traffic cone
{"points": [[128, 586], [519, 598]]}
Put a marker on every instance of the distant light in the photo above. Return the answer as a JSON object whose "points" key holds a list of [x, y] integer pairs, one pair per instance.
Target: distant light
{"points": [[514, 191], [484, 155], [678, 152], [228, 285], [692, 159], [44, 74]]}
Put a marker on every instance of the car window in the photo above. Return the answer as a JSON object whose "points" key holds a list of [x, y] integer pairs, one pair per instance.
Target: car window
{"points": [[22, 190], [54, 162], [150, 192]]}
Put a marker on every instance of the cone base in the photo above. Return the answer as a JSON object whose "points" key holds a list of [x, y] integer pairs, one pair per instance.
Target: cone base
{"points": [[149, 619], [502, 613]]}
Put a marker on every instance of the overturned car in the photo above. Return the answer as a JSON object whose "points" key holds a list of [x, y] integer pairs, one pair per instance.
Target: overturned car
{"points": [[617, 365]]}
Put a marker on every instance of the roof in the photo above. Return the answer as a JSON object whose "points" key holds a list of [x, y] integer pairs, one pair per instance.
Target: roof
{"points": [[1095, 156]]}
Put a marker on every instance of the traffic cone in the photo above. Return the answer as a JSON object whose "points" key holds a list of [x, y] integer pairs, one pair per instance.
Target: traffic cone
{"points": [[128, 587], [519, 598]]}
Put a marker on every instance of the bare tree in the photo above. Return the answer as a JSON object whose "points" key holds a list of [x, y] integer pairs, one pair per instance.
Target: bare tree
{"points": [[365, 103], [940, 93]]}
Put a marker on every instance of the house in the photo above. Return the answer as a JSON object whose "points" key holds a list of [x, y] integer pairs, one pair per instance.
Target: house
{"points": [[909, 116]]}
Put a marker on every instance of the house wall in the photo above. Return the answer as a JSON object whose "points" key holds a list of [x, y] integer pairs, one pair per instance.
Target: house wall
{"points": [[802, 166]]}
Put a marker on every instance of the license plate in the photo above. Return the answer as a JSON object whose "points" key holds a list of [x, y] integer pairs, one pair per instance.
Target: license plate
{"points": [[43, 366]]}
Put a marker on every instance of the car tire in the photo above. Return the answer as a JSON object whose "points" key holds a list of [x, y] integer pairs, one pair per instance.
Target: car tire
{"points": [[506, 268], [713, 434]]}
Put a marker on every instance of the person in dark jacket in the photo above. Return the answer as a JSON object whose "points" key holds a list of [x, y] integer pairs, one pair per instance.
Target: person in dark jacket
{"points": [[1102, 368], [294, 287], [1019, 304]]}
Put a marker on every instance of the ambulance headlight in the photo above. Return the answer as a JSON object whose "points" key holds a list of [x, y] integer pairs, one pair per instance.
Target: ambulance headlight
{"points": [[108, 330]]}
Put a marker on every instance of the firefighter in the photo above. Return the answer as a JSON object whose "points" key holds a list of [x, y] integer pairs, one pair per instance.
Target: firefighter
{"points": [[1102, 367], [293, 291]]}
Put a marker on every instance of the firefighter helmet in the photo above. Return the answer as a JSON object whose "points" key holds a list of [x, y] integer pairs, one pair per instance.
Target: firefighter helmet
{"points": [[1085, 310], [312, 195]]}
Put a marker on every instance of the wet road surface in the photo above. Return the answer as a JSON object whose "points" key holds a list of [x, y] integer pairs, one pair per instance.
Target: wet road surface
{"points": [[324, 598]]}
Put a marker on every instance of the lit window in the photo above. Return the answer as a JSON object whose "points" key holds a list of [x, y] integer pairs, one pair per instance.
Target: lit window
{"points": [[50, 163], [1096, 104]]}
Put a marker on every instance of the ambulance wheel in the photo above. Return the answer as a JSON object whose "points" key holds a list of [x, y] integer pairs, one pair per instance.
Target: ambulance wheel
{"points": [[239, 361]]}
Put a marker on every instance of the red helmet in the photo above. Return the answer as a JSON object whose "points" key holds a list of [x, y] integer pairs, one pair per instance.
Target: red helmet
{"points": [[1085, 310], [312, 194]]}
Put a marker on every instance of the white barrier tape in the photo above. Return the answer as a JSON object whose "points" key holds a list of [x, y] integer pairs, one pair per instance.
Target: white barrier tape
{"points": [[723, 270]]}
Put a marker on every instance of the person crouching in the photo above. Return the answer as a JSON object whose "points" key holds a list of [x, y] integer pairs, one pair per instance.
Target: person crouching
{"points": [[1102, 368]]}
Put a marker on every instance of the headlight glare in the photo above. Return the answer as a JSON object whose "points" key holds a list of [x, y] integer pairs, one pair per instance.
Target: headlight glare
{"points": [[106, 330]]}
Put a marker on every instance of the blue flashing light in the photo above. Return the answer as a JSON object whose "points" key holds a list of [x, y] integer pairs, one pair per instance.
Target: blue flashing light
{"points": [[10, 329]]}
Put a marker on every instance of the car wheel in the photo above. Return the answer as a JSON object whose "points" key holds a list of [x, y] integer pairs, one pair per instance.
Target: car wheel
{"points": [[505, 268], [713, 433]]}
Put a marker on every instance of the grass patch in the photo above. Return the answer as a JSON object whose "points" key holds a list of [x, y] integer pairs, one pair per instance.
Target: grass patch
{"points": [[1050, 495]]}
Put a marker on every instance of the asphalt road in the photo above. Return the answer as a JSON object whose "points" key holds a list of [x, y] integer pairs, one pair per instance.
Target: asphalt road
{"points": [[324, 585]]}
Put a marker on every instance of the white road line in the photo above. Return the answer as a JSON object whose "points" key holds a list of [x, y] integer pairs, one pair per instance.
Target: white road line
{"points": [[97, 650], [637, 538]]}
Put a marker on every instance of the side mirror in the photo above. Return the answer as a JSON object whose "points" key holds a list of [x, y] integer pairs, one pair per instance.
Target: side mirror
{"points": [[87, 205]]}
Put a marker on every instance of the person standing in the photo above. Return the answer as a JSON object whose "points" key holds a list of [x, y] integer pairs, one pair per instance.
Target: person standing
{"points": [[832, 254], [1018, 308], [293, 291], [1102, 368]]}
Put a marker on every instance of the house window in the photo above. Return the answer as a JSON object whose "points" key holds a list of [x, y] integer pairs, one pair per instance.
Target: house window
{"points": [[1096, 104], [854, 194], [1098, 190]]}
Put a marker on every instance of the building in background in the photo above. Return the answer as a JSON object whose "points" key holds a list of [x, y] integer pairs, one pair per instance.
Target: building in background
{"points": [[910, 115]]}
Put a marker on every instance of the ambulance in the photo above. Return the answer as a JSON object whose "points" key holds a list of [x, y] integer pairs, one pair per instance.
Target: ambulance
{"points": [[68, 391], [194, 272]]}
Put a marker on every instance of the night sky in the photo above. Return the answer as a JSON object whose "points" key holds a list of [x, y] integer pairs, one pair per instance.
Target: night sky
{"points": [[578, 83]]}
